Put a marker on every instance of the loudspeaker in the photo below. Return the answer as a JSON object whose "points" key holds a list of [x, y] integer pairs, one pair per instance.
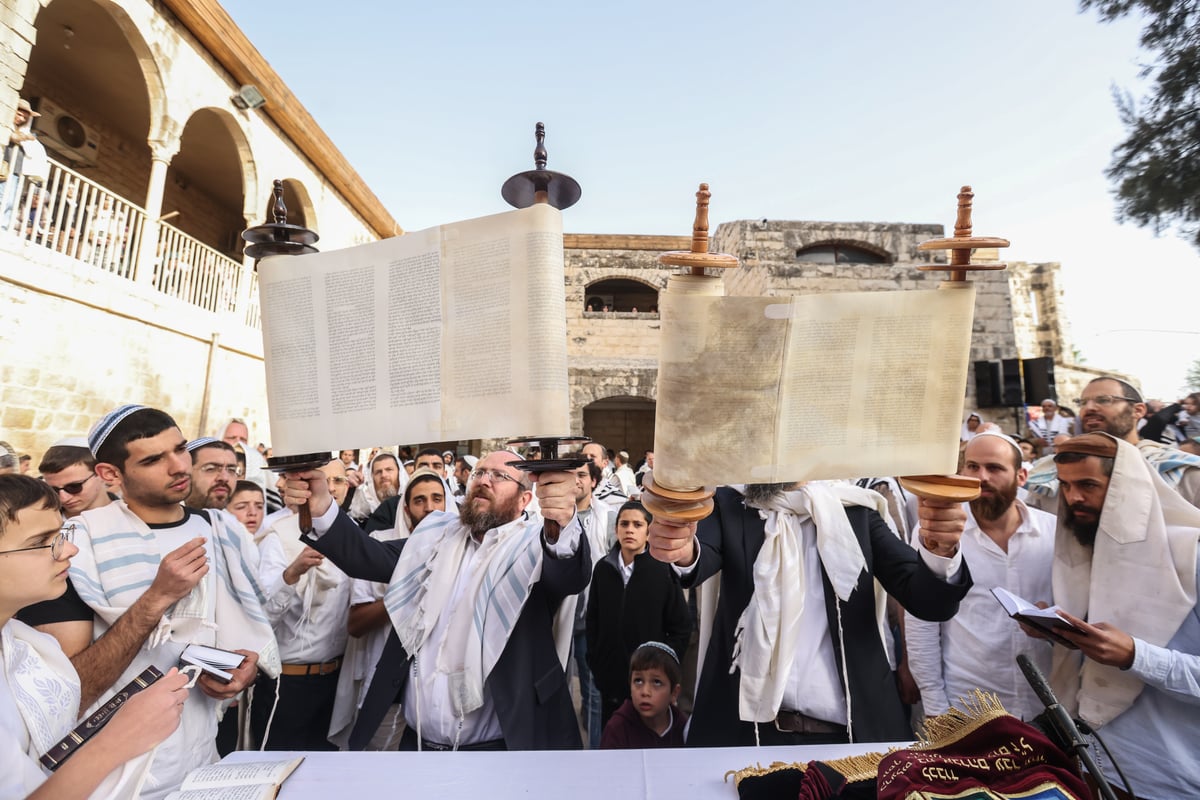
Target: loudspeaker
{"points": [[987, 384], [1039, 380], [1011, 382]]}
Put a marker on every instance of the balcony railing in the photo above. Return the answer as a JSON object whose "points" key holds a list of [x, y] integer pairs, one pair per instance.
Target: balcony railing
{"points": [[71, 215], [194, 272], [78, 218]]}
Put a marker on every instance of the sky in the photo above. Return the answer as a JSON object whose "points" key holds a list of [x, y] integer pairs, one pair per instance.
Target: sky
{"points": [[859, 110]]}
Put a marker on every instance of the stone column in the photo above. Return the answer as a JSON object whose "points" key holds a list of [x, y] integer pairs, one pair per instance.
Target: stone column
{"points": [[242, 302], [161, 154]]}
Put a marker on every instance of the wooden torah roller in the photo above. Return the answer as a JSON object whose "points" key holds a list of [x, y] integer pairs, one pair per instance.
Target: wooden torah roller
{"points": [[954, 488]]}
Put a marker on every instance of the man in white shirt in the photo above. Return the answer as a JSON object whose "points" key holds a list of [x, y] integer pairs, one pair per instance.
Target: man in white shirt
{"points": [[624, 475], [1050, 425], [1008, 545], [308, 602]]}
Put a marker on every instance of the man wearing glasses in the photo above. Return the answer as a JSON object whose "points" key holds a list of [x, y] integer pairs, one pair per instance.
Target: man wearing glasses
{"points": [[1112, 406], [215, 470], [495, 685]]}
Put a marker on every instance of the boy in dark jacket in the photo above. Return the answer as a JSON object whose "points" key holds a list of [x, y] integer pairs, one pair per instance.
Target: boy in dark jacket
{"points": [[650, 717], [633, 599]]}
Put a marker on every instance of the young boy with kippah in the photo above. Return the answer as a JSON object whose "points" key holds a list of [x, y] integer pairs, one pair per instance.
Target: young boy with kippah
{"points": [[649, 718]]}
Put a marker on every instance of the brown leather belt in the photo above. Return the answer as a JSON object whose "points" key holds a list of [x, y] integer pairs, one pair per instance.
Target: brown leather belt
{"points": [[795, 722], [328, 668]]}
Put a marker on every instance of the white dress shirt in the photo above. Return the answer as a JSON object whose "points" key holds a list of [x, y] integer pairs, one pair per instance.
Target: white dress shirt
{"points": [[978, 647]]}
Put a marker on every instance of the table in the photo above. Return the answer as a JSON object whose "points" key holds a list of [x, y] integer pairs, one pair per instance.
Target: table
{"points": [[692, 773]]}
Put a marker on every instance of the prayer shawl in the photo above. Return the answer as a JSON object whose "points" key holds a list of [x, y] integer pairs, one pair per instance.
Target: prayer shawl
{"points": [[313, 586], [1171, 464], [45, 690], [769, 628], [117, 561], [507, 567], [365, 499], [1140, 576]]}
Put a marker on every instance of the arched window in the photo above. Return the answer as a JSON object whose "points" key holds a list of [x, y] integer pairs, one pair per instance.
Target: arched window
{"points": [[620, 295], [838, 253]]}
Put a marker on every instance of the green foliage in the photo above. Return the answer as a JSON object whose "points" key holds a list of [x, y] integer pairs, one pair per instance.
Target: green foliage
{"points": [[1156, 170], [1193, 376]]}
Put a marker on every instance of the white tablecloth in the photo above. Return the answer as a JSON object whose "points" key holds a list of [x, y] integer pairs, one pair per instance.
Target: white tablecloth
{"points": [[694, 774]]}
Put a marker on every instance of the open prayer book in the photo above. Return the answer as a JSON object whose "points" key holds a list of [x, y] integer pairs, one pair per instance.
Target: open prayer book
{"points": [[455, 332], [251, 780], [213, 660], [1046, 620]]}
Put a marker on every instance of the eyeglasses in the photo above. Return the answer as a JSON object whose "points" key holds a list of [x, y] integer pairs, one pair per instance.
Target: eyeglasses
{"points": [[65, 534], [496, 475], [71, 488], [336, 480], [1104, 400], [214, 469]]}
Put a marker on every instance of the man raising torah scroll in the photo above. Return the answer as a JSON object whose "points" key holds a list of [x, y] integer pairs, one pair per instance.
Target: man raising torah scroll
{"points": [[472, 656], [797, 645]]}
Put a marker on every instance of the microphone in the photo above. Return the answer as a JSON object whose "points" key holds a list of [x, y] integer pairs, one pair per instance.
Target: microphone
{"points": [[1068, 732]]}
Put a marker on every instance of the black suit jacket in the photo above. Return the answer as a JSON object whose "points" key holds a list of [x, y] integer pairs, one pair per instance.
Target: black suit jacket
{"points": [[729, 542], [527, 685]]}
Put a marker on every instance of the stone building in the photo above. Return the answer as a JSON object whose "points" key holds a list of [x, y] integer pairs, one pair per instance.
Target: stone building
{"points": [[614, 352], [121, 272]]}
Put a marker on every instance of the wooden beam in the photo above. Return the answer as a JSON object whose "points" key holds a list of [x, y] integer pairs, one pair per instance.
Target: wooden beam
{"points": [[604, 241], [219, 35]]}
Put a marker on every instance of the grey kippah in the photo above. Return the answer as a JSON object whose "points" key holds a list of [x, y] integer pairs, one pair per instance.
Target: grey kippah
{"points": [[101, 430]]}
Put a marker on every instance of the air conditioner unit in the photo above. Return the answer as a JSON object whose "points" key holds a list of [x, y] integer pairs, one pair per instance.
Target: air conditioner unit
{"points": [[64, 134]]}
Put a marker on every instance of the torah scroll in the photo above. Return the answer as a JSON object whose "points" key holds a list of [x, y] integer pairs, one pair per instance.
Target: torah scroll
{"points": [[455, 332], [811, 387]]}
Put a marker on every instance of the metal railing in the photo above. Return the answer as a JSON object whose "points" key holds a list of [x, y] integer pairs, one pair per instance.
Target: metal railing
{"points": [[69, 214], [72, 215], [186, 268]]}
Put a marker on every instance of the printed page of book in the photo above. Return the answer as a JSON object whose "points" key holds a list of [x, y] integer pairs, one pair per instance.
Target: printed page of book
{"points": [[811, 387], [455, 332]]}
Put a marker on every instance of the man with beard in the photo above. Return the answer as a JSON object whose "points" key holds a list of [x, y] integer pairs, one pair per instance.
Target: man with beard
{"points": [[1009, 545], [492, 685], [1112, 406], [1125, 558], [798, 646], [214, 472], [385, 480]]}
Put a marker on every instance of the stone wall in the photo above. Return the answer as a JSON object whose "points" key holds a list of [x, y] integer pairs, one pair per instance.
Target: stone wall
{"points": [[767, 250], [1039, 317], [78, 342]]}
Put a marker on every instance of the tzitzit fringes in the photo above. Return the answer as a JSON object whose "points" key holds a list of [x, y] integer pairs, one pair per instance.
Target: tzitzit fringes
{"points": [[968, 714], [758, 770]]}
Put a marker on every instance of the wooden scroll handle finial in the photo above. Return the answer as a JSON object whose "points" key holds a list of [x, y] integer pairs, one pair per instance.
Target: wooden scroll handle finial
{"points": [[697, 259], [278, 237], [963, 243], [278, 208], [541, 186], [540, 156]]}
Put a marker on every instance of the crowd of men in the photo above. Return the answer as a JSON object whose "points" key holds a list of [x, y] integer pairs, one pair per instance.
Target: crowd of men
{"points": [[440, 601]]}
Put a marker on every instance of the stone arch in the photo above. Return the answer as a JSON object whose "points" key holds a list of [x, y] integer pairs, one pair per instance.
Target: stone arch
{"points": [[622, 293], [93, 63], [621, 422], [205, 194], [843, 251]]}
